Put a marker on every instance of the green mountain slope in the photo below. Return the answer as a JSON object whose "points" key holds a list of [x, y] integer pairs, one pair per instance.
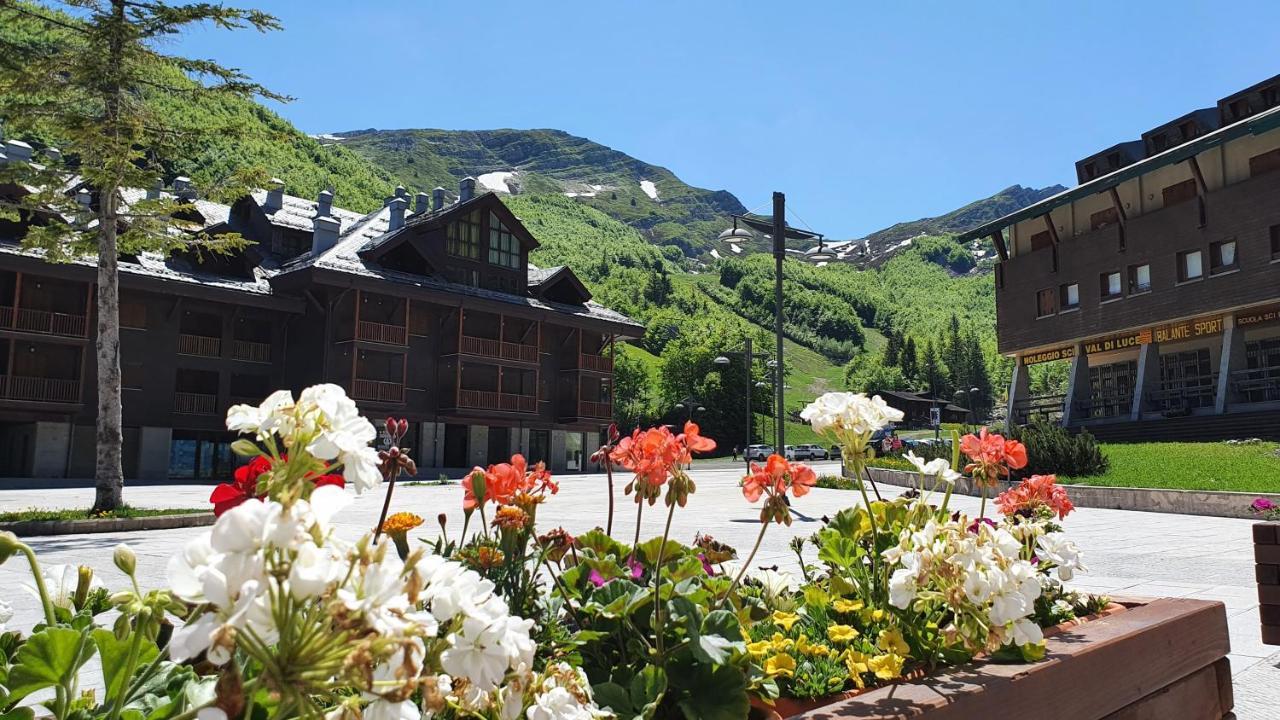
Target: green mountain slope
{"points": [[647, 197]]}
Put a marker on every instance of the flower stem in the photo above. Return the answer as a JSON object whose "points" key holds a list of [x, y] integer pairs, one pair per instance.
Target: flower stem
{"points": [[657, 577], [45, 602], [608, 472], [764, 527], [639, 510]]}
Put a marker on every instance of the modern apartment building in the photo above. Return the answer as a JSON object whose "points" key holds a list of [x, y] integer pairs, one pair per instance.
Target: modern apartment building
{"points": [[1157, 278]]}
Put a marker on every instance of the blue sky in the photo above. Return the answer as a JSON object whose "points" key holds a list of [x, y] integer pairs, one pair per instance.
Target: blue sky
{"points": [[865, 114]]}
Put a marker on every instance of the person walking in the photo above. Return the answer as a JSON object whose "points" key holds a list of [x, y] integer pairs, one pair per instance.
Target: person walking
{"points": [[736, 453]]}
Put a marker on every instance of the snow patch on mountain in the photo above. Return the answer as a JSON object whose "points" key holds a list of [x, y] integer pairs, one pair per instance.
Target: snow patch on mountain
{"points": [[496, 181], [649, 189]]}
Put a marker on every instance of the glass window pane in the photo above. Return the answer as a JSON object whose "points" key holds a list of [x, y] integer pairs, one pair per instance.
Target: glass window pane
{"points": [[1143, 277], [1193, 266], [1113, 284], [1228, 251], [1073, 295]]}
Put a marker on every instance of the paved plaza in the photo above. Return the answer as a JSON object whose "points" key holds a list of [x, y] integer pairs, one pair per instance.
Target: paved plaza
{"points": [[1128, 553]]}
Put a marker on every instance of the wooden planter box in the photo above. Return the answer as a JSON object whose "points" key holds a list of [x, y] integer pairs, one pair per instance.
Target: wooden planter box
{"points": [[1157, 659], [1266, 553]]}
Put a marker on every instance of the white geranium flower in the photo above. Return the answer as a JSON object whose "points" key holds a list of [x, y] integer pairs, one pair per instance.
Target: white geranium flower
{"points": [[243, 528], [939, 468], [558, 704], [377, 593], [853, 413], [60, 581], [384, 710], [1054, 547], [272, 416], [360, 466], [775, 583], [211, 713], [482, 651], [1026, 632], [193, 638], [313, 568]]}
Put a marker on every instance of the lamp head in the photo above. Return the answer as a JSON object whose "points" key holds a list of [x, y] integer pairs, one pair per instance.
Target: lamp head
{"points": [[721, 360]]}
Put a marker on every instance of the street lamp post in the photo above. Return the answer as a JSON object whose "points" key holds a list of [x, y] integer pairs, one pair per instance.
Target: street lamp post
{"points": [[777, 227], [748, 357]]}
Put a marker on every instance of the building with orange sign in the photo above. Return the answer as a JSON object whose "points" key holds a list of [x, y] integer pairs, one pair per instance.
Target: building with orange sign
{"points": [[1157, 278]]}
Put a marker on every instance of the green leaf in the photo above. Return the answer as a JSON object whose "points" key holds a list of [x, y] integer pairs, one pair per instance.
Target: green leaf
{"points": [[115, 656], [715, 694], [647, 689], [22, 713], [615, 697], [650, 548], [48, 658], [718, 638]]}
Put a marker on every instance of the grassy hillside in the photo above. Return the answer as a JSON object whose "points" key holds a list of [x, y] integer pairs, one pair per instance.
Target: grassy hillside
{"points": [[647, 197]]}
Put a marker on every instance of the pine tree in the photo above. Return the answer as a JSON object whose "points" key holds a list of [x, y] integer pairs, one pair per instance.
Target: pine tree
{"points": [[96, 90], [910, 364], [892, 348], [932, 373]]}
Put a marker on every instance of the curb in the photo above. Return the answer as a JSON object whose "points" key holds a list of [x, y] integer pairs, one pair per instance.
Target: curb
{"points": [[32, 528], [1183, 502]]}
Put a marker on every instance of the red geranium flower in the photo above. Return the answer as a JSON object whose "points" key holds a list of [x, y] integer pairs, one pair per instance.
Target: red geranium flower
{"points": [[504, 480], [1035, 492], [991, 456], [776, 479], [245, 484], [655, 454]]}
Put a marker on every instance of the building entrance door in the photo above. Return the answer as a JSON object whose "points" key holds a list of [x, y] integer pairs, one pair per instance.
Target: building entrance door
{"points": [[455, 446], [1186, 381], [540, 447], [499, 445], [1263, 358]]}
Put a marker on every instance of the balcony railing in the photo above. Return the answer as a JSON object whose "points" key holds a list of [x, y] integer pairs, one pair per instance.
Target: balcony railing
{"points": [[595, 363], [188, 403], [38, 389], [590, 409], [1180, 397], [377, 391], [382, 333], [487, 347], [1108, 404], [252, 351], [199, 345], [1256, 385], [505, 402], [1038, 407], [43, 321]]}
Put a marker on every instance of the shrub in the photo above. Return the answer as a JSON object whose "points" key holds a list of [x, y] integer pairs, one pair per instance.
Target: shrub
{"points": [[1052, 449]]}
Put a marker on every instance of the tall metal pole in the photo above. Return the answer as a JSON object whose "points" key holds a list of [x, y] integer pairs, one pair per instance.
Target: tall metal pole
{"points": [[779, 252], [747, 358]]}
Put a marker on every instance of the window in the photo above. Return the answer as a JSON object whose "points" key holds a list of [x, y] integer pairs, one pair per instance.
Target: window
{"points": [[504, 249], [1271, 96], [1160, 142], [1222, 257], [1139, 279], [1180, 192], [463, 276], [463, 237], [1264, 163], [1113, 160], [1239, 109], [1275, 242], [1044, 303], [133, 314], [1109, 284], [1090, 170], [1069, 296], [1190, 265]]}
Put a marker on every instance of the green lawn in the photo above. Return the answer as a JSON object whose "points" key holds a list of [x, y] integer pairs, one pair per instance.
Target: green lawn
{"points": [[82, 514], [1191, 466]]}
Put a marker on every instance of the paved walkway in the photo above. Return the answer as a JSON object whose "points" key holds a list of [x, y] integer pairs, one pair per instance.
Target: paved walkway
{"points": [[1128, 553]]}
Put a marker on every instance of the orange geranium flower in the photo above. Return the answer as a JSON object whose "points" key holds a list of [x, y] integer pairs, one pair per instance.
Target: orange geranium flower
{"points": [[504, 480], [1035, 492], [655, 454], [776, 479], [992, 456]]}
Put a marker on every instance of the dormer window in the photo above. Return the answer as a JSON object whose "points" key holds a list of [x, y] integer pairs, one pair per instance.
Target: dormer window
{"points": [[1160, 142], [1271, 96], [463, 237], [1239, 108], [504, 249], [1113, 160], [1187, 130]]}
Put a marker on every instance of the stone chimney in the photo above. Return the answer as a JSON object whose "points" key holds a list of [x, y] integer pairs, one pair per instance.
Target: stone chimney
{"points": [[183, 188], [466, 189], [324, 234], [324, 203], [85, 200], [402, 192], [397, 205], [421, 203], [275, 194], [17, 151], [437, 199]]}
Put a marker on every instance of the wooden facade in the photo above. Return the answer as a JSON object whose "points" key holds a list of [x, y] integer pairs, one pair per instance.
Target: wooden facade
{"points": [[1157, 279], [408, 320]]}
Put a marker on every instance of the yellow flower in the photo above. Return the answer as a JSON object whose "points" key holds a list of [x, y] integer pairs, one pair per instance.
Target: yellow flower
{"points": [[846, 606], [856, 663], [785, 619], [510, 517], [781, 643], [401, 522], [758, 649], [886, 667], [780, 665], [891, 641], [805, 647], [841, 633]]}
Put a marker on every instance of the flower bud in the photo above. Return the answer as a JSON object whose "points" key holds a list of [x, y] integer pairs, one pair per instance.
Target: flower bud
{"points": [[442, 518], [403, 427], [123, 597], [390, 425], [245, 448], [125, 559], [9, 545], [83, 582]]}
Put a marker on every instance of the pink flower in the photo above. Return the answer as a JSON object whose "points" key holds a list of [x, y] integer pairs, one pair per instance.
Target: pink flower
{"points": [[1034, 492], [991, 456]]}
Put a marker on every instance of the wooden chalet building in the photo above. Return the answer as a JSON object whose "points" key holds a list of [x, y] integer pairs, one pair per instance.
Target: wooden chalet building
{"points": [[432, 313], [1157, 278]]}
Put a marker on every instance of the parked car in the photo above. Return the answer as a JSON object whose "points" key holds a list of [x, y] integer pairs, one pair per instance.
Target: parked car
{"points": [[815, 452], [796, 452], [835, 453], [759, 452]]}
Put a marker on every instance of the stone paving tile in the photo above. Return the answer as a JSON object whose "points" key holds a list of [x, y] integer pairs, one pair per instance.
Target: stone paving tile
{"points": [[1128, 553]]}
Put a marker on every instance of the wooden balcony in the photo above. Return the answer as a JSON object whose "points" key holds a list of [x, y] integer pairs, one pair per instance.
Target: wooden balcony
{"points": [[38, 389], [601, 410], [499, 349], [595, 363], [500, 401], [44, 322], [258, 352], [187, 403], [378, 391], [199, 345], [382, 333]]}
